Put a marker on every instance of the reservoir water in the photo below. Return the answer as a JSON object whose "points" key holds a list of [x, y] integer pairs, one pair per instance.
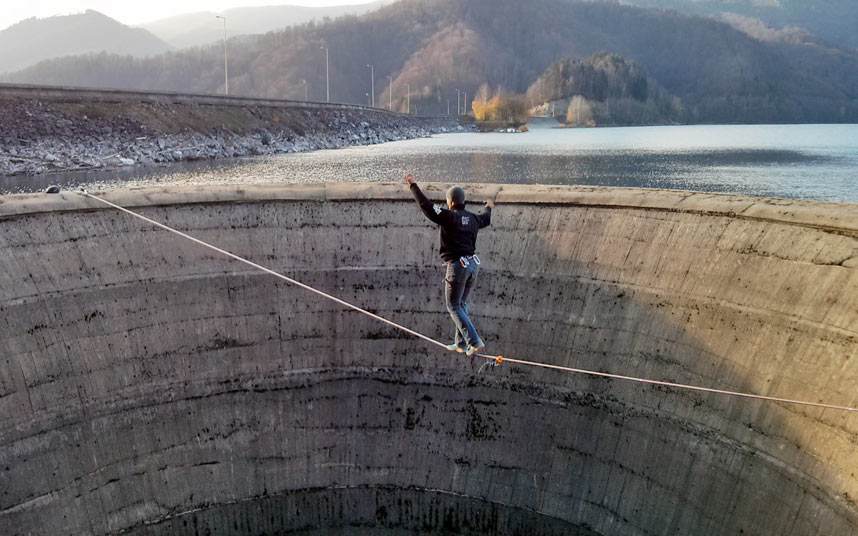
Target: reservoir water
{"points": [[795, 161]]}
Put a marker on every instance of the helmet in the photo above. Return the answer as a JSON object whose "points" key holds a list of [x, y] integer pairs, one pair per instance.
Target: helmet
{"points": [[456, 196]]}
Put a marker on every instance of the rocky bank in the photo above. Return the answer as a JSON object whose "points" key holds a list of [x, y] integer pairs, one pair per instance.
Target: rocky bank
{"points": [[42, 136]]}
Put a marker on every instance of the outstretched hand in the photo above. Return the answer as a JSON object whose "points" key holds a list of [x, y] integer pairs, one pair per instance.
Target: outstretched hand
{"points": [[409, 179], [490, 203]]}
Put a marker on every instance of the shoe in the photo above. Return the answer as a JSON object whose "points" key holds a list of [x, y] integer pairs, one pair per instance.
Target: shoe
{"points": [[474, 349], [455, 348]]}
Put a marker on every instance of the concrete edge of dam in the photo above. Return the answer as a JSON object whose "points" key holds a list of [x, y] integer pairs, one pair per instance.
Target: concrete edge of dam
{"points": [[832, 216], [77, 94]]}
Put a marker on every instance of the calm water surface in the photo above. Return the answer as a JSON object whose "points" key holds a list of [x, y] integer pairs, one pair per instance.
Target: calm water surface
{"points": [[800, 161]]}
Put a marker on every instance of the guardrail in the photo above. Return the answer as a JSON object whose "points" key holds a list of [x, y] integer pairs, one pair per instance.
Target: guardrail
{"points": [[64, 93]]}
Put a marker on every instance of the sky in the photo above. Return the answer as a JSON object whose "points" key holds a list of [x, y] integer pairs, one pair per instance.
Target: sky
{"points": [[132, 13]]}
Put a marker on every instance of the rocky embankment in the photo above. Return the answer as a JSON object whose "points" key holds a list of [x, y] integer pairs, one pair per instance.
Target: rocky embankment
{"points": [[41, 136]]}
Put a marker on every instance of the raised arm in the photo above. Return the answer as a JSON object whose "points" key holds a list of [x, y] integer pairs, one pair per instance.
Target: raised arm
{"points": [[426, 206], [485, 219]]}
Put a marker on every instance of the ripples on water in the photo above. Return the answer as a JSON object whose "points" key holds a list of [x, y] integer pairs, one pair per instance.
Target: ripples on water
{"points": [[802, 161]]}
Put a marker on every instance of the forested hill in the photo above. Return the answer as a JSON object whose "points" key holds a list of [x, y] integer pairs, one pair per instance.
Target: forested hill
{"points": [[835, 21], [604, 89], [721, 73]]}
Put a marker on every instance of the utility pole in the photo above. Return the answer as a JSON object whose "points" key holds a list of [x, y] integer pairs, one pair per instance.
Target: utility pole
{"points": [[225, 66], [465, 105], [327, 76], [372, 82], [448, 106], [407, 99], [305, 90], [458, 103], [390, 93]]}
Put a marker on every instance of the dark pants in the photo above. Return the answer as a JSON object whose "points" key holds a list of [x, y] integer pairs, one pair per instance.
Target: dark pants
{"points": [[457, 286]]}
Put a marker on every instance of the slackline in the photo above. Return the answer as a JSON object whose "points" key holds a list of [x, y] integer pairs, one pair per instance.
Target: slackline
{"points": [[491, 359]]}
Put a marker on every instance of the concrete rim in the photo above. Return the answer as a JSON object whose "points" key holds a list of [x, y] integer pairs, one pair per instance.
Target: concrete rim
{"points": [[835, 217]]}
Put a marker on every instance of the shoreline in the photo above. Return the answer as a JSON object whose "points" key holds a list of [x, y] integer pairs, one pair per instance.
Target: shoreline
{"points": [[84, 133]]}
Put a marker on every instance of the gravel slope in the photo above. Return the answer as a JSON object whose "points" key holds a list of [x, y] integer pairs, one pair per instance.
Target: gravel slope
{"points": [[40, 136]]}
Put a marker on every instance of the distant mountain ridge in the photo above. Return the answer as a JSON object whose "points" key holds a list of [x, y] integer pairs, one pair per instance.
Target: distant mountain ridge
{"points": [[436, 47], [33, 40], [835, 21], [201, 28]]}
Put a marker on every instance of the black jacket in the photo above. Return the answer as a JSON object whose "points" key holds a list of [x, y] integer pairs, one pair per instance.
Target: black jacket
{"points": [[458, 226]]}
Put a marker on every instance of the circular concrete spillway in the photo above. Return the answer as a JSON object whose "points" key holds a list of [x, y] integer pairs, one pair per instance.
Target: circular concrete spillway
{"points": [[151, 386]]}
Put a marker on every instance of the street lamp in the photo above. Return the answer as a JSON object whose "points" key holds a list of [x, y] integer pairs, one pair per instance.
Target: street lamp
{"points": [[390, 93], [327, 76], [458, 103], [407, 99], [372, 82], [465, 104], [225, 67], [305, 90]]}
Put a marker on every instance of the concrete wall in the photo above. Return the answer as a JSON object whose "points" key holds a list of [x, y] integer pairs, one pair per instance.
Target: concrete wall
{"points": [[74, 94], [150, 386], [79, 94]]}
